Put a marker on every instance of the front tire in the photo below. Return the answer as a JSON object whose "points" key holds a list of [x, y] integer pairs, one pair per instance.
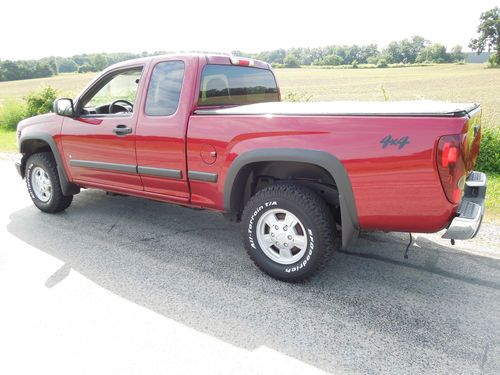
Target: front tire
{"points": [[288, 231], [42, 181]]}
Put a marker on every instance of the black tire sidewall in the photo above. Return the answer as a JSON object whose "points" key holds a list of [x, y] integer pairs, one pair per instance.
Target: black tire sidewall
{"points": [[32, 164], [304, 265]]}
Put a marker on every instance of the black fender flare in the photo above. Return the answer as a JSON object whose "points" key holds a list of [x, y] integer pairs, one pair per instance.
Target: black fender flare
{"points": [[325, 160], [67, 187]]}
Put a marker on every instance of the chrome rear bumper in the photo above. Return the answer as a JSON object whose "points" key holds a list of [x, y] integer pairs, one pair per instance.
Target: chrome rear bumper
{"points": [[471, 211]]}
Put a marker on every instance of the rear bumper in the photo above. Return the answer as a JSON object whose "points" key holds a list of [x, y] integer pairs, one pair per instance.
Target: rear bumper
{"points": [[471, 210]]}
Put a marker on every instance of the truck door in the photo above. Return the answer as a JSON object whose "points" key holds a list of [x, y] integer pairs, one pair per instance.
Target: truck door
{"points": [[161, 128], [99, 144]]}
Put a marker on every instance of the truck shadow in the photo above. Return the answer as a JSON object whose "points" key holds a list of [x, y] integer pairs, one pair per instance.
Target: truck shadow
{"points": [[190, 266]]}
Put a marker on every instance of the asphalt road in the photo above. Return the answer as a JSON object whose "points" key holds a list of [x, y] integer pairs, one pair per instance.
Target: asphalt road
{"points": [[119, 285]]}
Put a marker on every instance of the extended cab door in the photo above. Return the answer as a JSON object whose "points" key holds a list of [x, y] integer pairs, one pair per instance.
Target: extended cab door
{"points": [[99, 144], [161, 127]]}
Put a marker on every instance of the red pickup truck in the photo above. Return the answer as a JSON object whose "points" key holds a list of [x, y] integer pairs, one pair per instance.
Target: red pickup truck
{"points": [[210, 132]]}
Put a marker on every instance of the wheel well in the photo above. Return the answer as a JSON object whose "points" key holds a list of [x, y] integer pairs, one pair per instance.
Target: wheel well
{"points": [[256, 176], [30, 147]]}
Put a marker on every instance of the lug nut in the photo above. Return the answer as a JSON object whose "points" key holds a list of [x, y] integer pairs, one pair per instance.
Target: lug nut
{"points": [[276, 227], [289, 237], [285, 227], [285, 244], [272, 234]]}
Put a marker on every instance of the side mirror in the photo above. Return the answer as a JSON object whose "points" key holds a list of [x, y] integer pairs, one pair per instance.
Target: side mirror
{"points": [[64, 107]]}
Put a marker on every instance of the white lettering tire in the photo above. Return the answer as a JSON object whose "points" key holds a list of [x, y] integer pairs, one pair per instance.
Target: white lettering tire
{"points": [[289, 231]]}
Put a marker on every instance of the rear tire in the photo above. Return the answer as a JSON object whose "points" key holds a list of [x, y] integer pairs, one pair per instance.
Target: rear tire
{"points": [[43, 184], [289, 231]]}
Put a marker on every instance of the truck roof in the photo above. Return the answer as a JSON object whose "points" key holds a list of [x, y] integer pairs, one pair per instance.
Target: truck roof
{"points": [[421, 108], [219, 59]]}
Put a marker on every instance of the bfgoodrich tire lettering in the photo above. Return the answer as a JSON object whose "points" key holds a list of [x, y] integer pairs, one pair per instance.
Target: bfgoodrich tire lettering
{"points": [[315, 229], [45, 163]]}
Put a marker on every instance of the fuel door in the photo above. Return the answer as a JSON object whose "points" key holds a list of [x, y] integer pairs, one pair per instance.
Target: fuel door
{"points": [[208, 154]]}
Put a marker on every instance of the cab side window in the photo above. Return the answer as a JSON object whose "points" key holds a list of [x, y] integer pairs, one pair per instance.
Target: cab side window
{"points": [[165, 89]]}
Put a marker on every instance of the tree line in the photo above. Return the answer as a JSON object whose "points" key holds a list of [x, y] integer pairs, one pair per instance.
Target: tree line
{"points": [[407, 51], [49, 66]]}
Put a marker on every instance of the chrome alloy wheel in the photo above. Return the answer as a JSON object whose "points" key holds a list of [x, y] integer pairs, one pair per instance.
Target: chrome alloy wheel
{"points": [[41, 184], [281, 236]]}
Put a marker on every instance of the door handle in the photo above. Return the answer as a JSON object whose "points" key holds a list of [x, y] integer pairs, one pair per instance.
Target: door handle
{"points": [[122, 130]]}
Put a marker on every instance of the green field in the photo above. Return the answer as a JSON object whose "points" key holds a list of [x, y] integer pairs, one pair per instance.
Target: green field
{"points": [[465, 83]]}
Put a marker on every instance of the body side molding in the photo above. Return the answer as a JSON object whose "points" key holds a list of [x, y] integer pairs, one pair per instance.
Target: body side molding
{"points": [[202, 176], [350, 224], [160, 172], [128, 168]]}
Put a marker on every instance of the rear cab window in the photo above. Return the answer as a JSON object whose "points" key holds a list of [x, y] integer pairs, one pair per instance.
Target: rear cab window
{"points": [[227, 85]]}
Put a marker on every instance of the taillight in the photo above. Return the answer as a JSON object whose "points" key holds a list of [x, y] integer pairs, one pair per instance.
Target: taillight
{"points": [[451, 166]]}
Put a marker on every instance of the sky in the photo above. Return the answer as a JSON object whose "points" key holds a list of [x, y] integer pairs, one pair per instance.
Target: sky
{"points": [[38, 28]]}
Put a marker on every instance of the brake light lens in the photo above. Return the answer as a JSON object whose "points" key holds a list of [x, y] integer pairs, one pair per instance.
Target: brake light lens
{"points": [[451, 166], [241, 62], [449, 155]]}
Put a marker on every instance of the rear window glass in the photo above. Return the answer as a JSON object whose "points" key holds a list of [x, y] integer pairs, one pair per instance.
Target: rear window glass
{"points": [[236, 85]]}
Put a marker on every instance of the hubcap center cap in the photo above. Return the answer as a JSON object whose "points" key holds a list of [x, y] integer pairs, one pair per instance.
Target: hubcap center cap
{"points": [[283, 239]]}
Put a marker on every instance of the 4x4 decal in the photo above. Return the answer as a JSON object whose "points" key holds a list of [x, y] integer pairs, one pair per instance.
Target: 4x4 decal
{"points": [[400, 142]]}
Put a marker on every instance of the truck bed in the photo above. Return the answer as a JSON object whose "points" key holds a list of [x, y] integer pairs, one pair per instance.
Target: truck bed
{"points": [[420, 108]]}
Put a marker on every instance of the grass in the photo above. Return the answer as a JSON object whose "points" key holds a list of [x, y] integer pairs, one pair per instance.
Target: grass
{"points": [[7, 141], [67, 84], [465, 83], [493, 199]]}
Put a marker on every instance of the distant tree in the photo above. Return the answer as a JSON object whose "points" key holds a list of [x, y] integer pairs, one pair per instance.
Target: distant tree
{"points": [[410, 48], [406, 50], [85, 68], [456, 54], [66, 65], [99, 62], [382, 63], [492, 61], [393, 53], [42, 69], [367, 52], [489, 33], [276, 56], [291, 61], [16, 70], [433, 53], [331, 60]]}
